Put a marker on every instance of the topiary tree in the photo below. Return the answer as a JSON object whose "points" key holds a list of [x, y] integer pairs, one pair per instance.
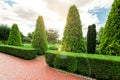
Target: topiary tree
{"points": [[72, 38], [39, 36], [110, 42], [91, 39], [15, 36]]}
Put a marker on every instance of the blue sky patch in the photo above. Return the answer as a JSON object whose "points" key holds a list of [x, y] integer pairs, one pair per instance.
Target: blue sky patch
{"points": [[9, 2], [101, 13]]}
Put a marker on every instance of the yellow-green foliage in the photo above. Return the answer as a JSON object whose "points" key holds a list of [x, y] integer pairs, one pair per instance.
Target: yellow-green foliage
{"points": [[39, 36], [14, 36], [110, 42], [73, 39]]}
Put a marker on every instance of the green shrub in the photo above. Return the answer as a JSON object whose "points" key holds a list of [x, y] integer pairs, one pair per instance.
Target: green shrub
{"points": [[73, 40], [49, 58], [39, 36], [68, 63], [83, 66], [101, 67], [61, 61], [53, 47], [91, 39], [4, 32], [110, 41], [1, 42], [15, 36], [19, 52]]}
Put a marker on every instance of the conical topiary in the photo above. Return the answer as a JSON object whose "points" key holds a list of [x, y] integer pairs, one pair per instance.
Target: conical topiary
{"points": [[110, 42], [72, 38], [14, 36], [39, 36]]}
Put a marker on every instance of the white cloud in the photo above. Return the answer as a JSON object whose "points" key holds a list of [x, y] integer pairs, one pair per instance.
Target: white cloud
{"points": [[25, 13]]}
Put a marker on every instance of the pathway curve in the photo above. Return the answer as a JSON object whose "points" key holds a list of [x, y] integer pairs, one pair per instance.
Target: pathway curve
{"points": [[13, 68]]}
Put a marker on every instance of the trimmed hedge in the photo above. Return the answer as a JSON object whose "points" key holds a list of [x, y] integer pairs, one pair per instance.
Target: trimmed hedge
{"points": [[20, 52], [65, 63], [101, 67], [49, 59]]}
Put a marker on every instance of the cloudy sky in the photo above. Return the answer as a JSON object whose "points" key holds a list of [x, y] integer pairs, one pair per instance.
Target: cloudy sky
{"points": [[25, 12]]}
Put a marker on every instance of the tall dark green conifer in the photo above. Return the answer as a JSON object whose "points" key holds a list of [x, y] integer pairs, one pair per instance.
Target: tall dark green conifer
{"points": [[73, 39], [15, 36], [91, 39], [39, 36], [110, 42]]}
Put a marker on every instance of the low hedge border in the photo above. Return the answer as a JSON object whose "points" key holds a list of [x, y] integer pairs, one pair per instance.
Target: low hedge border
{"points": [[101, 67], [20, 52]]}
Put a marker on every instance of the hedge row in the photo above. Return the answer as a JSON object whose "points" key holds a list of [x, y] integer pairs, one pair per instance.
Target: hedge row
{"points": [[101, 67], [20, 52]]}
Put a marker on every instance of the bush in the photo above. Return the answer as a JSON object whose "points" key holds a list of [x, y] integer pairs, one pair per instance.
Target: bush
{"points": [[101, 67], [39, 36], [62, 61], [15, 36], [73, 40], [53, 47], [83, 66], [19, 52], [49, 58]]}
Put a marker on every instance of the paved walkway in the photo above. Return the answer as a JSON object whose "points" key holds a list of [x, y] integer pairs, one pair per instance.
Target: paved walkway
{"points": [[13, 68]]}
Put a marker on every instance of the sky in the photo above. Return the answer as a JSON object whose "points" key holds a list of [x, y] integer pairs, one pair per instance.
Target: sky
{"points": [[25, 12]]}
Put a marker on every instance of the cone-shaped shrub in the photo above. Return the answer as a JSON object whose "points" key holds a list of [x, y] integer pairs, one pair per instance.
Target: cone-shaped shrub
{"points": [[15, 36], [110, 42], [91, 39], [72, 37], [39, 36]]}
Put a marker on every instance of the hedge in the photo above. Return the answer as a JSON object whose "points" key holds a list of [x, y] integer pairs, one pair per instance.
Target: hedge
{"points": [[101, 67], [65, 63], [20, 52], [49, 58]]}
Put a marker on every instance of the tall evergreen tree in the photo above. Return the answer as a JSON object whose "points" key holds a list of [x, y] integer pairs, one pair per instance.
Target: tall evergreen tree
{"points": [[91, 39], [15, 36], [110, 42], [73, 40], [39, 36]]}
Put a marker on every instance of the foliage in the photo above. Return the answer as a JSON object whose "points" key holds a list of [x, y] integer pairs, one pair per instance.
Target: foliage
{"points": [[52, 36], [49, 59], [101, 67], [91, 39], [66, 63], [39, 36], [99, 35], [21, 52], [30, 35], [73, 40], [110, 42], [26, 39], [4, 32], [53, 47], [14, 36]]}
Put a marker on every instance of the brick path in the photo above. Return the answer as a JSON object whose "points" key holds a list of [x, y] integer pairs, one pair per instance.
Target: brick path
{"points": [[13, 68]]}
